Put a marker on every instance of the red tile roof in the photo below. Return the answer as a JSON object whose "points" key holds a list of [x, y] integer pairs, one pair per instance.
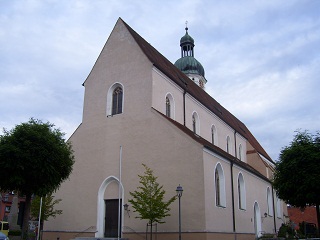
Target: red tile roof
{"points": [[165, 66]]}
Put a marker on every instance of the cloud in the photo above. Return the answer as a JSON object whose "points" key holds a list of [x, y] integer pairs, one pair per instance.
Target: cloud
{"points": [[261, 58]]}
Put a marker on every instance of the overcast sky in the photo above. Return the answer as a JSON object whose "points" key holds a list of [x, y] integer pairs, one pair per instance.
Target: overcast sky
{"points": [[261, 58]]}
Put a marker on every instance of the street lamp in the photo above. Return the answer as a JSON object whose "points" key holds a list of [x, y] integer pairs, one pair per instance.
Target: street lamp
{"points": [[179, 191]]}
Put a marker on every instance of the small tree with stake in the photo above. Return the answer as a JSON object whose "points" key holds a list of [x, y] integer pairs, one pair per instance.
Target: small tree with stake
{"points": [[34, 159], [148, 199], [47, 208]]}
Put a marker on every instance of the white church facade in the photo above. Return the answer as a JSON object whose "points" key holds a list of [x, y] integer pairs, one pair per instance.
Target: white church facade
{"points": [[140, 108]]}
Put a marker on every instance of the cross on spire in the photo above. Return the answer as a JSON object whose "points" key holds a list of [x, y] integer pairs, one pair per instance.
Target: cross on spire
{"points": [[186, 26]]}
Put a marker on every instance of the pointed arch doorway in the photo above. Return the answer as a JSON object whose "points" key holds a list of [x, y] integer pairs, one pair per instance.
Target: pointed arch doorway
{"points": [[257, 220], [109, 209]]}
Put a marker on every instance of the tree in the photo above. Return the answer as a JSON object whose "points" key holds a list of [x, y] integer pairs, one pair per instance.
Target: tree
{"points": [[47, 208], [148, 199], [34, 159], [296, 178]]}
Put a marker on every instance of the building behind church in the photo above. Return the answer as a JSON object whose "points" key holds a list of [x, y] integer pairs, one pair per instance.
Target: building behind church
{"points": [[140, 108]]}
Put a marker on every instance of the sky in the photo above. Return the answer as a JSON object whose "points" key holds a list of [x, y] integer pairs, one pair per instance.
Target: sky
{"points": [[261, 58]]}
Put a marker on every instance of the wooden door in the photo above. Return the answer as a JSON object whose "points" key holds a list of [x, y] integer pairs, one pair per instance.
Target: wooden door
{"points": [[111, 218]]}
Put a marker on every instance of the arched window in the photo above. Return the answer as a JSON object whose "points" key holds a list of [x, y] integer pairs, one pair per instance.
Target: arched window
{"points": [[269, 202], [117, 101], [194, 127], [213, 135], [168, 107], [219, 182], [195, 123], [278, 208], [240, 152], [241, 192], [228, 144], [115, 98]]}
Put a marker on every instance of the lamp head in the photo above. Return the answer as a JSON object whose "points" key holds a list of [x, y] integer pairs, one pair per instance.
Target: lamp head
{"points": [[179, 191]]}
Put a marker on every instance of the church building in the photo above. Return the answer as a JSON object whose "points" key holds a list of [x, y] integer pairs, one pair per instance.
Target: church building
{"points": [[139, 108]]}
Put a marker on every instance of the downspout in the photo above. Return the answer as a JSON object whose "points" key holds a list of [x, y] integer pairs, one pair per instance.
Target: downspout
{"points": [[232, 193], [232, 187], [274, 212]]}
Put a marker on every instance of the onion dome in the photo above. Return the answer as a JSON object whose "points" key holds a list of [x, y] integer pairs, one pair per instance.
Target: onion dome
{"points": [[187, 63]]}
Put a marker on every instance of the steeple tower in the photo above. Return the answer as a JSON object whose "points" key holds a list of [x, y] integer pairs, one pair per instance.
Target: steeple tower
{"points": [[187, 63]]}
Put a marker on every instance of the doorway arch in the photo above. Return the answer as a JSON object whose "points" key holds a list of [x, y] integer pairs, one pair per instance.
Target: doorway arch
{"points": [[101, 204]]}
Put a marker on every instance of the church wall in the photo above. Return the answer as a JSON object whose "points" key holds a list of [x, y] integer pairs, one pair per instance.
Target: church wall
{"points": [[162, 86], [217, 218], [256, 191], [145, 136], [96, 142], [205, 122]]}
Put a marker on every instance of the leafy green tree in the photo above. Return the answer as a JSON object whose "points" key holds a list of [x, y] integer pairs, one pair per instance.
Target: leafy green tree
{"points": [[34, 159], [296, 178], [47, 208], [148, 199]]}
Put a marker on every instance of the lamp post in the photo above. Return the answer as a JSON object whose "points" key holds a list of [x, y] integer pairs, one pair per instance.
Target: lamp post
{"points": [[179, 191]]}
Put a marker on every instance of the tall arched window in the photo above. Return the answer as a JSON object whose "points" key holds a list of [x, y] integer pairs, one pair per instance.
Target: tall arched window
{"points": [[213, 135], [240, 152], [115, 98], [169, 111], [278, 208], [269, 202], [228, 144], [219, 182], [241, 192], [168, 107], [195, 123], [117, 101]]}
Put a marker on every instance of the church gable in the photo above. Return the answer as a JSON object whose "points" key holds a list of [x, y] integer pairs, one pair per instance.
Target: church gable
{"points": [[120, 64]]}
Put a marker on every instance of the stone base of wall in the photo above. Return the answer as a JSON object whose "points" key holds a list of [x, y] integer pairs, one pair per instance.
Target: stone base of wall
{"points": [[156, 236]]}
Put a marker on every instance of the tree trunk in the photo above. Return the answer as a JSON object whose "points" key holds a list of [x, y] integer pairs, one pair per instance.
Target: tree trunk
{"points": [[318, 219], [26, 215]]}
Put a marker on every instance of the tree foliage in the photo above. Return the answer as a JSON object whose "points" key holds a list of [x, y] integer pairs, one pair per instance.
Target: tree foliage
{"points": [[34, 159], [296, 178], [148, 199]]}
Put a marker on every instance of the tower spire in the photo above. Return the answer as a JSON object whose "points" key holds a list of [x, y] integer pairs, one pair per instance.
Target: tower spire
{"points": [[187, 63]]}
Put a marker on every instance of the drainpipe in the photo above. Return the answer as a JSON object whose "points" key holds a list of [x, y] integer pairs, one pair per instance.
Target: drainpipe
{"points": [[232, 187], [274, 212], [232, 193]]}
